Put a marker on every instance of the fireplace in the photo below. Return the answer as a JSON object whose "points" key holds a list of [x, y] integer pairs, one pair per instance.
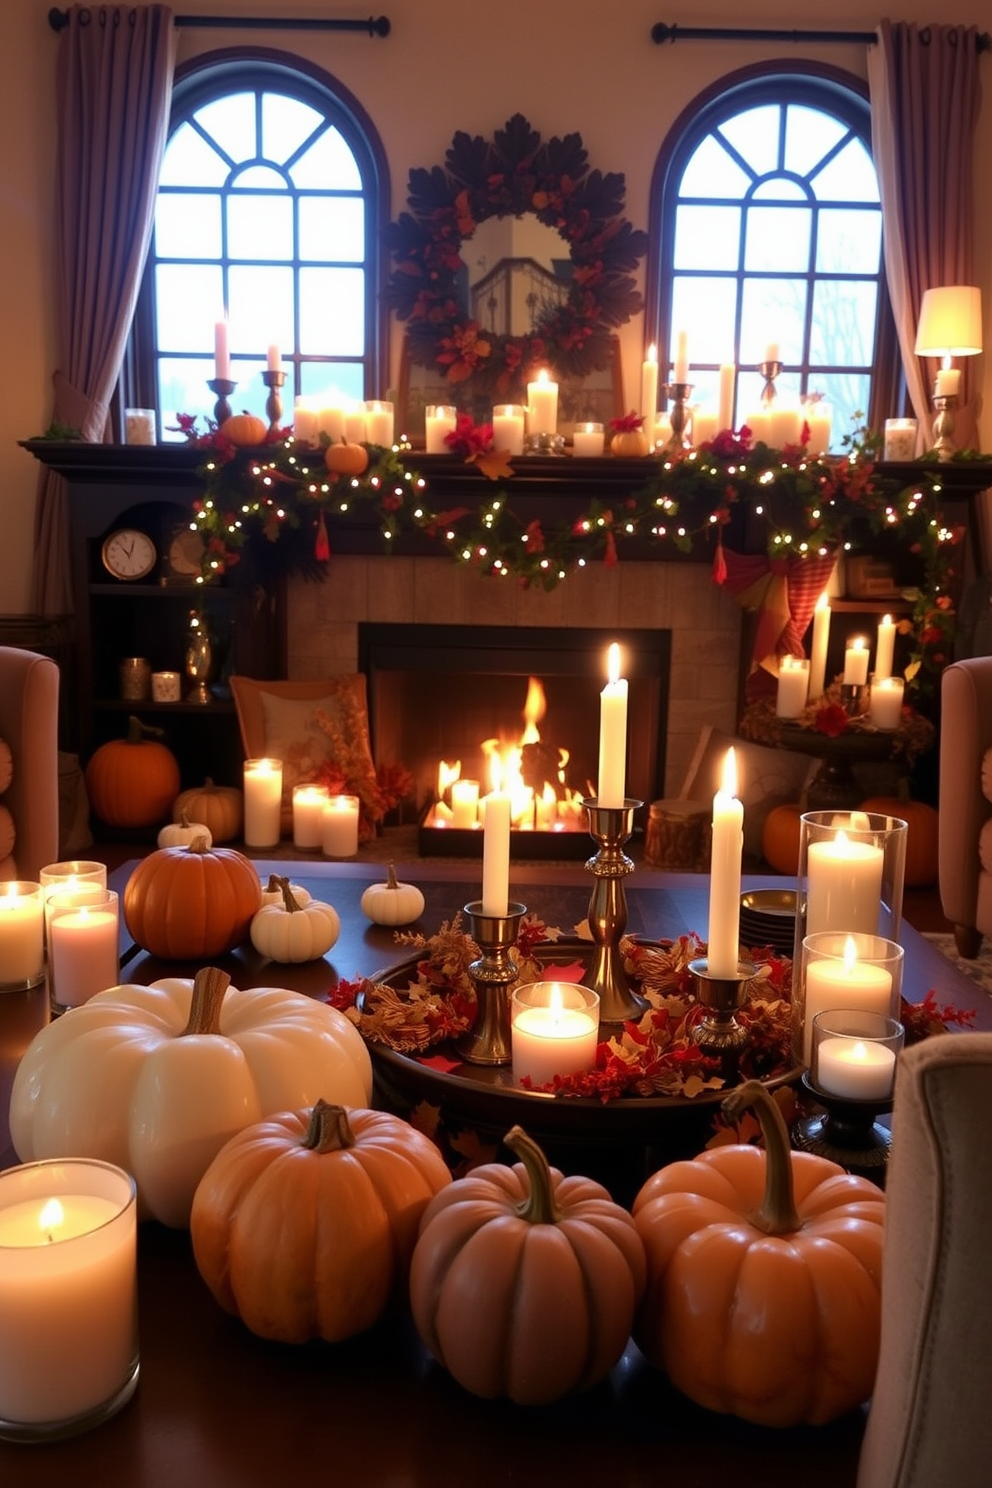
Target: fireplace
{"points": [[438, 692]]}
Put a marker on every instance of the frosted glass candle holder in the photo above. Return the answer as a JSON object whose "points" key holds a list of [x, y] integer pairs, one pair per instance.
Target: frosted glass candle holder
{"points": [[379, 422], [22, 935], [440, 420], [885, 703], [588, 440], [851, 873], [263, 802], [554, 1030], [854, 1054], [340, 827], [308, 816], [793, 686], [508, 428], [900, 439], [83, 946], [844, 971]]}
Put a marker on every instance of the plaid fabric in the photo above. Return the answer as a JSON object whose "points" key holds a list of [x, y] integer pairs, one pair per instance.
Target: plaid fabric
{"points": [[784, 592]]}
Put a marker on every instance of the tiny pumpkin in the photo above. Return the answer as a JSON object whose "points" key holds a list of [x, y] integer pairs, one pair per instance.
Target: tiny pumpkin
{"points": [[630, 442], [392, 902], [345, 458], [219, 807], [291, 931], [764, 1277], [272, 891], [780, 838], [303, 1225], [244, 429], [182, 832], [132, 782], [190, 903], [524, 1283]]}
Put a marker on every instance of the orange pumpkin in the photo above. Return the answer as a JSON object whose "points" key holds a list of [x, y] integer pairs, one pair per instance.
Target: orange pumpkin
{"points": [[780, 839], [764, 1277], [188, 903], [346, 459], [524, 1283], [132, 782], [244, 429], [922, 823], [303, 1225], [218, 807]]}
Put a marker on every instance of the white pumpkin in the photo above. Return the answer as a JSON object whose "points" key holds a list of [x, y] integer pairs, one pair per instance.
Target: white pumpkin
{"points": [[272, 891], [292, 932], [183, 832], [156, 1079], [392, 902]]}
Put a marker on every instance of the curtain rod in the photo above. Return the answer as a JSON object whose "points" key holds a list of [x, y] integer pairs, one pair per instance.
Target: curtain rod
{"points": [[375, 25], [660, 33]]}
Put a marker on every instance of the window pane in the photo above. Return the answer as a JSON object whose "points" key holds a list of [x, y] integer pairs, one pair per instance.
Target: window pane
{"points": [[187, 225], [332, 227], [340, 381], [189, 299], [259, 178], [707, 237], [191, 161], [779, 189], [777, 239], [754, 135], [773, 310], [704, 309], [332, 313], [750, 385], [286, 125], [712, 171], [231, 122], [182, 388], [328, 165], [843, 331], [261, 308], [849, 177], [809, 135], [849, 242], [847, 393], [260, 226]]}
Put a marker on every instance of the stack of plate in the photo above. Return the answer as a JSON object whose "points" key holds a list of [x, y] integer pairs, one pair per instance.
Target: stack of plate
{"points": [[768, 918]]}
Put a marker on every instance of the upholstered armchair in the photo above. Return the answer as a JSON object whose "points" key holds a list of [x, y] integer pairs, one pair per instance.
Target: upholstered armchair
{"points": [[29, 723], [965, 832]]}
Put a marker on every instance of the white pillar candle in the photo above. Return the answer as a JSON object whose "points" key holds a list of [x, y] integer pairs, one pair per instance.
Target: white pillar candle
{"points": [[885, 703], [819, 420], [723, 940], [588, 440], [222, 355], [818, 653], [356, 429], [900, 439], [68, 1292], [844, 887], [705, 422], [495, 853], [330, 421], [725, 406], [662, 428], [139, 426], [83, 947], [273, 360], [612, 790], [760, 424], [552, 1038], [649, 391], [856, 1069], [339, 825], [263, 802], [785, 423], [306, 422], [884, 648], [793, 685], [508, 428], [680, 361], [948, 382], [835, 984], [542, 405], [464, 803], [308, 815], [439, 421], [22, 933], [856, 662], [379, 423]]}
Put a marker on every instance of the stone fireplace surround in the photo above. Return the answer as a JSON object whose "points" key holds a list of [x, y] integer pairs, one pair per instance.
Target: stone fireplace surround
{"points": [[680, 596]]}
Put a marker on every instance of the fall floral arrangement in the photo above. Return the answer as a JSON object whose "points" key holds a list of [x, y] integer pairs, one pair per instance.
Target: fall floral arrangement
{"points": [[828, 716]]}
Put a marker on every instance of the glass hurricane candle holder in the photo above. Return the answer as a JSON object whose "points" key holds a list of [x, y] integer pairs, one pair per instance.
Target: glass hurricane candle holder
{"points": [[840, 969], [851, 874], [22, 935], [554, 1031], [83, 946], [855, 1053]]}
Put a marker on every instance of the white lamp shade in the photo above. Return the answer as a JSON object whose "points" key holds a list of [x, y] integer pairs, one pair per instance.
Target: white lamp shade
{"points": [[950, 322]]}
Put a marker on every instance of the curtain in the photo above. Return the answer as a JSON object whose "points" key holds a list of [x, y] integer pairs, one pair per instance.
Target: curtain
{"points": [[114, 81], [925, 91], [783, 593]]}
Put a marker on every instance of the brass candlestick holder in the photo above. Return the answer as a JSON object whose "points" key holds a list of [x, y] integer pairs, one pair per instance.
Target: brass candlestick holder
{"points": [[853, 698], [680, 415], [610, 826], [274, 381], [488, 1040], [718, 1032], [223, 387], [769, 371]]}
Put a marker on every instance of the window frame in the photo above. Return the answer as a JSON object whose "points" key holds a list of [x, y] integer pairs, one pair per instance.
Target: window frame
{"points": [[204, 78], [814, 85]]}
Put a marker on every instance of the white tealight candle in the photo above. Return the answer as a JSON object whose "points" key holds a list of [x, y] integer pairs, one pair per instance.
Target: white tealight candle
{"points": [[818, 651], [885, 648], [844, 888], [856, 1069], [723, 942], [649, 391], [612, 788], [308, 815], [885, 703], [841, 983], [508, 428], [22, 933], [339, 827], [793, 685], [552, 1038], [263, 802], [495, 853], [856, 657], [542, 405], [588, 440]]}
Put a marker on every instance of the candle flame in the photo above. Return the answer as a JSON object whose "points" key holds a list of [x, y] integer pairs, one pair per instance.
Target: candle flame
{"points": [[728, 777], [652, 353], [447, 774], [858, 643], [542, 376], [613, 663], [850, 953], [858, 1051], [51, 1217]]}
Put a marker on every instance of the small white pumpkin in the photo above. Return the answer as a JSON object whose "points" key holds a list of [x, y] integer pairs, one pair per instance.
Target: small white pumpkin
{"points": [[182, 832], [392, 902], [272, 891], [291, 931]]}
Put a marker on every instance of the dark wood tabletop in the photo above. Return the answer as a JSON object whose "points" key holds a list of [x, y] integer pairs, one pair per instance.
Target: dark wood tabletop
{"points": [[217, 1406]]}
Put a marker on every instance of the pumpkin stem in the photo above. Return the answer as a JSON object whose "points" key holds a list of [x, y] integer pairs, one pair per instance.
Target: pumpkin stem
{"points": [[289, 900], [199, 844], [137, 731], [539, 1207], [777, 1215], [209, 986], [329, 1129], [392, 882]]}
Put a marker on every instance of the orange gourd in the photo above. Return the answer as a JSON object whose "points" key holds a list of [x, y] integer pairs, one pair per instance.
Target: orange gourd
{"points": [[524, 1283], [764, 1277], [219, 807], [346, 458], [188, 903], [132, 782], [303, 1225], [780, 839], [922, 822], [244, 429]]}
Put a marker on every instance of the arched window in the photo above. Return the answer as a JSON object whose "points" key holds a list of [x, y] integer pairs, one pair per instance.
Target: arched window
{"points": [[270, 210], [768, 231]]}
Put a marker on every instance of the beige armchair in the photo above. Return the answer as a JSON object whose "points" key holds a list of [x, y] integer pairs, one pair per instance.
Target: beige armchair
{"points": [[965, 832], [29, 723]]}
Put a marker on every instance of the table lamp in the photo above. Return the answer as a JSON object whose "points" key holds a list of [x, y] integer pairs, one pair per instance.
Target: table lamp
{"points": [[950, 325]]}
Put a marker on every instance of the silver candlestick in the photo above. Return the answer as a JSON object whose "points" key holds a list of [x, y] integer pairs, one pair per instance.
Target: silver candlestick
{"points": [[610, 826], [769, 371], [223, 387], [488, 1040], [681, 416], [273, 403], [718, 1032]]}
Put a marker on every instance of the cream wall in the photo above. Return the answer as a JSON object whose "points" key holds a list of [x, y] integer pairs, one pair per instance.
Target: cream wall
{"points": [[447, 65]]}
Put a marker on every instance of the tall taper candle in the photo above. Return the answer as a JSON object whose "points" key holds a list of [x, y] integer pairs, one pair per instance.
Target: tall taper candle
{"points": [[725, 413], [723, 942], [649, 392], [884, 648], [818, 657], [495, 853], [222, 355], [613, 734]]}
